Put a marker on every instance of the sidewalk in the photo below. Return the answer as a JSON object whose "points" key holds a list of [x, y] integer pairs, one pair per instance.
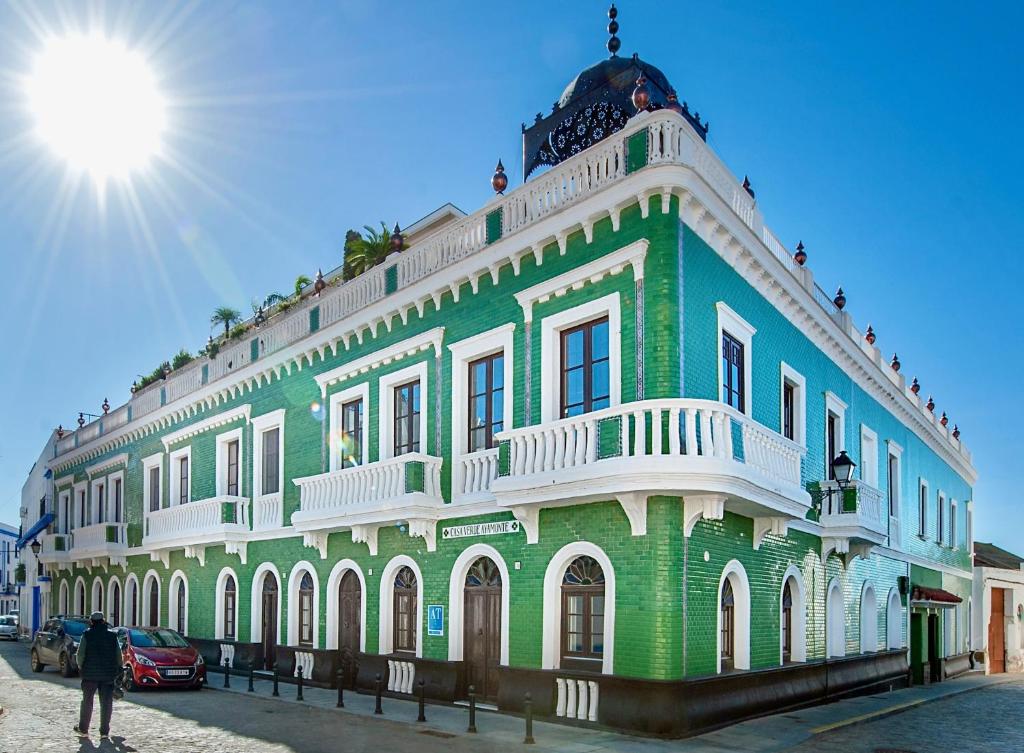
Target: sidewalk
{"points": [[764, 735]]}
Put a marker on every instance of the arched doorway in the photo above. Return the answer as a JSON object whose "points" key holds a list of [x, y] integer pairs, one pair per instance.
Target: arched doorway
{"points": [[80, 597], [115, 604], [350, 596], [181, 605], [405, 611], [482, 627], [269, 620]]}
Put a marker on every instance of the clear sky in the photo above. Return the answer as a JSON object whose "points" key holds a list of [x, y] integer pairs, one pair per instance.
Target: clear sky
{"points": [[885, 135]]}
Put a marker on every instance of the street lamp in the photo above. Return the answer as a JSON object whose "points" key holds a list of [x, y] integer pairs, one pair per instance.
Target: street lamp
{"points": [[35, 546], [842, 469]]}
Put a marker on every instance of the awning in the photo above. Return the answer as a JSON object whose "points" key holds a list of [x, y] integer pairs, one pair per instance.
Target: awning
{"points": [[935, 595], [40, 525]]}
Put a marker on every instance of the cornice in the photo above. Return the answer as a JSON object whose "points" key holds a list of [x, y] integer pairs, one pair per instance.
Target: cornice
{"points": [[120, 459], [405, 348], [212, 422]]}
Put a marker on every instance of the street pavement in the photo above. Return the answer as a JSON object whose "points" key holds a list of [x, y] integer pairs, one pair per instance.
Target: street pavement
{"points": [[974, 714]]}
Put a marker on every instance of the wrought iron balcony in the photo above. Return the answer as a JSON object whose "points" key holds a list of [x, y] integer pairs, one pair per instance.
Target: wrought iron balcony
{"points": [[361, 499], [195, 525], [855, 519], [713, 456]]}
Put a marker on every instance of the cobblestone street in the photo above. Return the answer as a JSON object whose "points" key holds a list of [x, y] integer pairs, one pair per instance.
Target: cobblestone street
{"points": [[40, 710]]}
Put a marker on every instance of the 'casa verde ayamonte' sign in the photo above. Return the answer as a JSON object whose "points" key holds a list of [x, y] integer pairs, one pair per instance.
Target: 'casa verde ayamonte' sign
{"points": [[480, 529]]}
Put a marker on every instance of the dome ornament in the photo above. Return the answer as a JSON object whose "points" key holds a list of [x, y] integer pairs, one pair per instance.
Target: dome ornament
{"points": [[614, 43], [499, 181], [397, 240], [320, 284], [800, 257], [673, 103], [641, 94], [840, 299], [747, 186]]}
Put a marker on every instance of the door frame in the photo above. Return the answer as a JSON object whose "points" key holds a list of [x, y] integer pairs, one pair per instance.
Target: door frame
{"points": [[456, 607], [484, 592], [256, 597], [1002, 628], [333, 607]]}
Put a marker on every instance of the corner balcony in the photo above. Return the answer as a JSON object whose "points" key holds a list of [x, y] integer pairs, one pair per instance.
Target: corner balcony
{"points": [[56, 549], [195, 525], [713, 456], [101, 544], [364, 498], [854, 519]]}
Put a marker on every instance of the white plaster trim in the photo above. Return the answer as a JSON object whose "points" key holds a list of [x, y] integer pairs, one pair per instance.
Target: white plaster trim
{"points": [[385, 640], [497, 340], [261, 424], [923, 493], [334, 605], [148, 463], [94, 499], [256, 601], [868, 618], [834, 405], [409, 347], [62, 601], [632, 255], [131, 616], [172, 601], [174, 475], [798, 629], [221, 462], [894, 505], [82, 487], [206, 424], [219, 602], [386, 406], [151, 588], [552, 607], [795, 378], [893, 620], [953, 532], [103, 465], [731, 322], [869, 450], [112, 480], [550, 350], [80, 596], [835, 620], [294, 579], [736, 573], [359, 391], [98, 596], [64, 481], [456, 600]]}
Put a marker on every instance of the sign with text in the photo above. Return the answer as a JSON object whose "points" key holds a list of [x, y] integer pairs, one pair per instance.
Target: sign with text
{"points": [[435, 619], [480, 529]]}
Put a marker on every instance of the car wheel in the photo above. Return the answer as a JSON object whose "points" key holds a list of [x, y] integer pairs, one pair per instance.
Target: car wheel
{"points": [[65, 666], [37, 666], [129, 682]]}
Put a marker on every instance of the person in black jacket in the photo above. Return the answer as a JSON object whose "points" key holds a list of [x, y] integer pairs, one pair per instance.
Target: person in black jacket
{"points": [[99, 662]]}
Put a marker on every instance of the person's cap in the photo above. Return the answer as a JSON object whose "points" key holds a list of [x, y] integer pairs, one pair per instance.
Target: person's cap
{"points": [[96, 616]]}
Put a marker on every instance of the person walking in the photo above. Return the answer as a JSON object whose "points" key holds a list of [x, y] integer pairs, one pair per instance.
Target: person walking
{"points": [[99, 662]]}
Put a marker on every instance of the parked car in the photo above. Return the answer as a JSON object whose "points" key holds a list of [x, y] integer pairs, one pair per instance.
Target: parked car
{"points": [[159, 657], [56, 643], [9, 627]]}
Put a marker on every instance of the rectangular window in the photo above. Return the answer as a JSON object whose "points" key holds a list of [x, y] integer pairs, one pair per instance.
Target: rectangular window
{"points": [[585, 368], [117, 501], [232, 480], [894, 485], [83, 509], [868, 456], [229, 615], [940, 516], [486, 401], [733, 378], [154, 488], [271, 461], [183, 480], [832, 442], [407, 418], [352, 433], [952, 526], [922, 511], [789, 410], [101, 503]]}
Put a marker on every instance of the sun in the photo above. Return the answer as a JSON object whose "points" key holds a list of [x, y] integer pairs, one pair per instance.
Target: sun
{"points": [[96, 104]]}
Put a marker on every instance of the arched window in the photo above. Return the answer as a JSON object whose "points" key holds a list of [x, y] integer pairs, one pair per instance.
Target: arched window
{"points": [[131, 601], [306, 610], [583, 614], [115, 604], [868, 620], [229, 608], [404, 624], [787, 623], [181, 607], [63, 603], [97, 596], [152, 594], [728, 642]]}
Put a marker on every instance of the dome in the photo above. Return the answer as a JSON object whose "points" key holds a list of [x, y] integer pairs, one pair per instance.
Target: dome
{"points": [[616, 78]]}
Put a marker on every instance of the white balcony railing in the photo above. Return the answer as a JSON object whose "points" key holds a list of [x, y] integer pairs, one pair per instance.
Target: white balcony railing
{"points": [[267, 512], [860, 506], [677, 426], [191, 520], [477, 471], [99, 537], [55, 547], [368, 486]]}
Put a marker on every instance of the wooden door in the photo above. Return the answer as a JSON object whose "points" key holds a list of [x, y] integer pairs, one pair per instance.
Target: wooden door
{"points": [[350, 597], [934, 652], [154, 604], [481, 630], [269, 621], [996, 633]]}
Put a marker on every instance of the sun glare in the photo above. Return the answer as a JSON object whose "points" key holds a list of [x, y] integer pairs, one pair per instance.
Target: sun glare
{"points": [[97, 105]]}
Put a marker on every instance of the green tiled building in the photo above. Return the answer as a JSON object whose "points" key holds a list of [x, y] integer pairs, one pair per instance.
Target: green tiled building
{"points": [[577, 443]]}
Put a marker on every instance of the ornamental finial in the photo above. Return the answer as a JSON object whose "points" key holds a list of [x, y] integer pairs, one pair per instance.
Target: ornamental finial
{"points": [[614, 43]]}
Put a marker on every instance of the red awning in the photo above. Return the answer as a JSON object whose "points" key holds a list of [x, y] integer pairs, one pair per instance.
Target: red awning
{"points": [[923, 593]]}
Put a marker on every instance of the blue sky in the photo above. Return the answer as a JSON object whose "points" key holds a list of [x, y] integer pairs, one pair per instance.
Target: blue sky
{"points": [[884, 135]]}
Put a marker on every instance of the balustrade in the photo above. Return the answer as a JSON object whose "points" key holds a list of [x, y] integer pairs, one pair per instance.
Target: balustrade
{"points": [[368, 485], [205, 517], [479, 469]]}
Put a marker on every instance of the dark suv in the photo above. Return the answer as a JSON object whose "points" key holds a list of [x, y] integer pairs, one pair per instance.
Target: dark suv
{"points": [[56, 643]]}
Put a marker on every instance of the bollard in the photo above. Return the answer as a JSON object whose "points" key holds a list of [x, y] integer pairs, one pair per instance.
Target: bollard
{"points": [[251, 688], [472, 710], [275, 693], [298, 686], [422, 717], [227, 674], [341, 689], [528, 712], [377, 709]]}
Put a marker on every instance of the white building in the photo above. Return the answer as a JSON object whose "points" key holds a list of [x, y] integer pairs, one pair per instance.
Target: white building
{"points": [[8, 567], [36, 515], [996, 625]]}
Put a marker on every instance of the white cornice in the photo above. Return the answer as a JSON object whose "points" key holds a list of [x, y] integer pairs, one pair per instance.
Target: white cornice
{"points": [[110, 462], [212, 422], [408, 347], [64, 481], [593, 271]]}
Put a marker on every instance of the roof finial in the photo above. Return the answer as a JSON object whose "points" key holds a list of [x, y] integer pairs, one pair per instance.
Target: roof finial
{"points": [[614, 43]]}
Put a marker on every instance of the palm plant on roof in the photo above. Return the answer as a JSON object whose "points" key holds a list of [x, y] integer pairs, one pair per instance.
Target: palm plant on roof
{"points": [[227, 316], [365, 251]]}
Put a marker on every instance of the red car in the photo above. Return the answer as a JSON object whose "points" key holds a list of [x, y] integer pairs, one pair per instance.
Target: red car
{"points": [[159, 657]]}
